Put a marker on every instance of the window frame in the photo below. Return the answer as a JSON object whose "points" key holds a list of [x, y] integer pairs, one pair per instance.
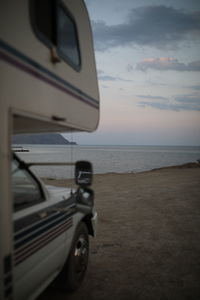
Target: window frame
{"points": [[36, 31], [77, 67], [36, 182], [47, 42]]}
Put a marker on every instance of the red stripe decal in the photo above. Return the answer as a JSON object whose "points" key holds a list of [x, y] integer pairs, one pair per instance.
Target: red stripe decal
{"points": [[36, 74], [40, 242]]}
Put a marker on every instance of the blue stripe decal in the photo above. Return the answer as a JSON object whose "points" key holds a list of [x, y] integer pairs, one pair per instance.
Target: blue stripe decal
{"points": [[80, 94], [36, 226], [8, 289], [7, 264], [40, 242], [39, 232]]}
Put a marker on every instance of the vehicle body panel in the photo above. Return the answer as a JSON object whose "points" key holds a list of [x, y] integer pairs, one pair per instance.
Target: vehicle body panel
{"points": [[39, 95]]}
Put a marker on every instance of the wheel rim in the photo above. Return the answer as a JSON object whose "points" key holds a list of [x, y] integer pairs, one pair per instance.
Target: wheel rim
{"points": [[81, 256]]}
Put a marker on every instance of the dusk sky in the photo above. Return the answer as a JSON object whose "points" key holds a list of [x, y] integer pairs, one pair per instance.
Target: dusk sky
{"points": [[148, 62]]}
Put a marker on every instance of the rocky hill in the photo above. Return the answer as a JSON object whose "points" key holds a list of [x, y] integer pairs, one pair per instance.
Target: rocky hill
{"points": [[41, 139]]}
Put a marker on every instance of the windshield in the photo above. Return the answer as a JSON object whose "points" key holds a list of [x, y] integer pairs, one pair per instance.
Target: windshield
{"points": [[26, 190]]}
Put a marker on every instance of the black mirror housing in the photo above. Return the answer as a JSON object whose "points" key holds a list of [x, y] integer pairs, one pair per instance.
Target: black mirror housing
{"points": [[83, 173]]}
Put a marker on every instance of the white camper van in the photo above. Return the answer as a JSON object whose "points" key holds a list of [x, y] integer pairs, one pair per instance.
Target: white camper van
{"points": [[47, 83]]}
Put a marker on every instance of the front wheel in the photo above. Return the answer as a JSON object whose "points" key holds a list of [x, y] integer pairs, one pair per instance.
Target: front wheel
{"points": [[74, 271]]}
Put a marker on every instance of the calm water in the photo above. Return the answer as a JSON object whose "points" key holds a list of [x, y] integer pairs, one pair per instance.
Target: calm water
{"points": [[108, 159]]}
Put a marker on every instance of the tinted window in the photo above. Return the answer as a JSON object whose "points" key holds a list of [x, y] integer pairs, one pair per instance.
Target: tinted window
{"points": [[26, 191], [67, 37], [45, 19], [55, 26]]}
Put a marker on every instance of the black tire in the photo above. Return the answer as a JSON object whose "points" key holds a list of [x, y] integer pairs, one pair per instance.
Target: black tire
{"points": [[75, 269]]}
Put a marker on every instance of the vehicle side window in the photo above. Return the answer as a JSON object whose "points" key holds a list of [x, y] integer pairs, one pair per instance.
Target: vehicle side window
{"points": [[67, 36], [56, 27], [26, 190], [45, 19]]}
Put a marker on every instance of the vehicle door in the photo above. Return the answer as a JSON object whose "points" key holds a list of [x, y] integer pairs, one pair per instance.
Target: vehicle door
{"points": [[42, 233]]}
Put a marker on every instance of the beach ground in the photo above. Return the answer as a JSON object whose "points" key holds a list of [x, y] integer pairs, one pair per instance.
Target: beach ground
{"points": [[148, 241]]}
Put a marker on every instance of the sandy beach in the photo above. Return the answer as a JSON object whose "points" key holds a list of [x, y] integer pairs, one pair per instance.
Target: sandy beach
{"points": [[148, 242]]}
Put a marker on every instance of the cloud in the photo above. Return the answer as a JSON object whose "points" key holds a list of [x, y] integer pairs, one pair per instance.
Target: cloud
{"points": [[166, 64], [151, 97], [188, 99], [107, 78], [130, 68], [177, 103], [100, 72], [103, 77], [156, 26], [194, 87]]}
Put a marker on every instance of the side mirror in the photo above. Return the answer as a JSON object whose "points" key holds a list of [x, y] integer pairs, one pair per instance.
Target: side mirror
{"points": [[83, 173]]}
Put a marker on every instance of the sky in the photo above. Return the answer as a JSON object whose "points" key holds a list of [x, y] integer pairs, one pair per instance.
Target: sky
{"points": [[148, 62]]}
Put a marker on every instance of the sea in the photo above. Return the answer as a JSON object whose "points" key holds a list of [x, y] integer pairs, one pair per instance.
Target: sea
{"points": [[107, 159]]}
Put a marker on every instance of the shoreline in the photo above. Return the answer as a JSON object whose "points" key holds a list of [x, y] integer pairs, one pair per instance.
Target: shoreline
{"points": [[148, 240], [190, 165]]}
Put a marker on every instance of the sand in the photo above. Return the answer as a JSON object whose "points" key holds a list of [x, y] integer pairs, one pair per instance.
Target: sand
{"points": [[148, 242]]}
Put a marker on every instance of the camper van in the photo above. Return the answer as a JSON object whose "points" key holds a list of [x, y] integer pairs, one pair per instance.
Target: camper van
{"points": [[48, 83]]}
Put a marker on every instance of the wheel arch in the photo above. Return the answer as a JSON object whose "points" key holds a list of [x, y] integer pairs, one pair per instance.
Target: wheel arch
{"points": [[88, 223]]}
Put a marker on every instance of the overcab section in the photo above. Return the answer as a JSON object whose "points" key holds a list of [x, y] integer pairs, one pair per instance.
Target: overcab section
{"points": [[47, 57]]}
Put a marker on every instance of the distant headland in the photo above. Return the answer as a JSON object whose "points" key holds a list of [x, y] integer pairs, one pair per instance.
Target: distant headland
{"points": [[41, 139]]}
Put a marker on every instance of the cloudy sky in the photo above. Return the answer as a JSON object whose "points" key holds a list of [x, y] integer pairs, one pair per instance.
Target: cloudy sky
{"points": [[148, 62]]}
